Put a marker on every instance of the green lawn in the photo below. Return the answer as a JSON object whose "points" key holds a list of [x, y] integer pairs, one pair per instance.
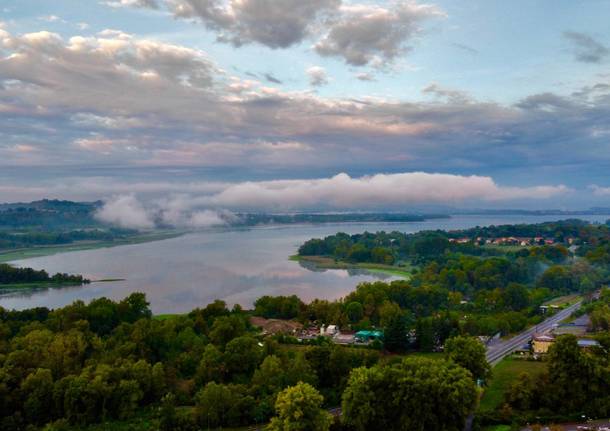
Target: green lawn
{"points": [[564, 300], [503, 375]]}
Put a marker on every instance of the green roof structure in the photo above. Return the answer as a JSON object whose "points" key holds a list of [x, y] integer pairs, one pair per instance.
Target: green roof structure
{"points": [[369, 335]]}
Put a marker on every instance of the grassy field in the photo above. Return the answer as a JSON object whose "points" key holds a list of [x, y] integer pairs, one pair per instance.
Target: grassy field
{"points": [[505, 248], [27, 253], [503, 375], [330, 263], [564, 301]]}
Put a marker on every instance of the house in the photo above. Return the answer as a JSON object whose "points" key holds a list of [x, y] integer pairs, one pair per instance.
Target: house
{"points": [[541, 343], [329, 331]]}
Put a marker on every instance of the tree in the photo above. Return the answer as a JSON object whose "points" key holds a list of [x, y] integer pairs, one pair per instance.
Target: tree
{"points": [[242, 355], [469, 353], [515, 296], [417, 394], [355, 311], [167, 413], [298, 408], [570, 374], [38, 388], [212, 367], [558, 279], [226, 328], [394, 323], [522, 393], [223, 405]]}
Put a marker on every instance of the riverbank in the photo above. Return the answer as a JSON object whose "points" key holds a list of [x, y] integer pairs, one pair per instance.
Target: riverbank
{"points": [[37, 285], [40, 251], [330, 263]]}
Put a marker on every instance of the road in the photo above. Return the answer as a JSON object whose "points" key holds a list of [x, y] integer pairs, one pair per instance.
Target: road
{"points": [[499, 350]]}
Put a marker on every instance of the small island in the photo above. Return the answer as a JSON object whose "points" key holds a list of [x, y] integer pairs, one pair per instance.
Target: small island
{"points": [[20, 278]]}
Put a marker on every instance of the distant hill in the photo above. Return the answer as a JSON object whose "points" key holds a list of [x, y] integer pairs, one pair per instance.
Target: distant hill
{"points": [[48, 215]]}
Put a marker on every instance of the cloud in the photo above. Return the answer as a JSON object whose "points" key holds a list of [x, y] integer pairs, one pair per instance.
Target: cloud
{"points": [[372, 34], [206, 218], [317, 76], [114, 99], [359, 34], [365, 76], [125, 211], [51, 18], [266, 22], [454, 96], [377, 191], [152, 4], [466, 48], [599, 191], [585, 48], [269, 77], [179, 210]]}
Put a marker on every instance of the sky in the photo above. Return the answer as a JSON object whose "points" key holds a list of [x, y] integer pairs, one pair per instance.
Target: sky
{"points": [[306, 104]]}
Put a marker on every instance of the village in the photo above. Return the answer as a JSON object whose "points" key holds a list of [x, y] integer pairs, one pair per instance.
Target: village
{"points": [[510, 240]]}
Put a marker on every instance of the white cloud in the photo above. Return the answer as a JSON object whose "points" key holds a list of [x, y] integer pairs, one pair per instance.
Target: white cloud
{"points": [[206, 218], [152, 4], [599, 191], [317, 76], [377, 191], [179, 210], [125, 211]]}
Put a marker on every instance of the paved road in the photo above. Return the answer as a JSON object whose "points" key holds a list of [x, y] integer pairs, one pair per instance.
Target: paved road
{"points": [[499, 350]]}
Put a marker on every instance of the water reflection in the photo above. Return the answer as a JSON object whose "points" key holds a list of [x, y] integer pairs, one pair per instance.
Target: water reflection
{"points": [[238, 266]]}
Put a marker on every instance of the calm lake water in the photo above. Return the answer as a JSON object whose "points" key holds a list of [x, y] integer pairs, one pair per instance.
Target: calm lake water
{"points": [[237, 266]]}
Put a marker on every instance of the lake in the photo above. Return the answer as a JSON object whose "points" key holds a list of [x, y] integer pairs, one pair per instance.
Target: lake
{"points": [[236, 265]]}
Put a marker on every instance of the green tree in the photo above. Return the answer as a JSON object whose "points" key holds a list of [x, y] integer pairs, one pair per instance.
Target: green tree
{"points": [[212, 367], [417, 394], [38, 389], [522, 393], [355, 311], [299, 408], [469, 353], [223, 405], [242, 356], [570, 375], [394, 323], [515, 296]]}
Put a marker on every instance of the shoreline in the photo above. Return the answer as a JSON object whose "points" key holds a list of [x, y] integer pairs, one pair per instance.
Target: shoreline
{"points": [[49, 250], [329, 263]]}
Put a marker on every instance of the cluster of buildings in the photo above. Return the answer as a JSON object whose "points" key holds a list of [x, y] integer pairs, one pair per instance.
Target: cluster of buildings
{"points": [[509, 240], [340, 337], [541, 343]]}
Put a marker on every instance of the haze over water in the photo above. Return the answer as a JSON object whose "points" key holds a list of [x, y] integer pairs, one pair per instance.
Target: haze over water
{"points": [[236, 265]]}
